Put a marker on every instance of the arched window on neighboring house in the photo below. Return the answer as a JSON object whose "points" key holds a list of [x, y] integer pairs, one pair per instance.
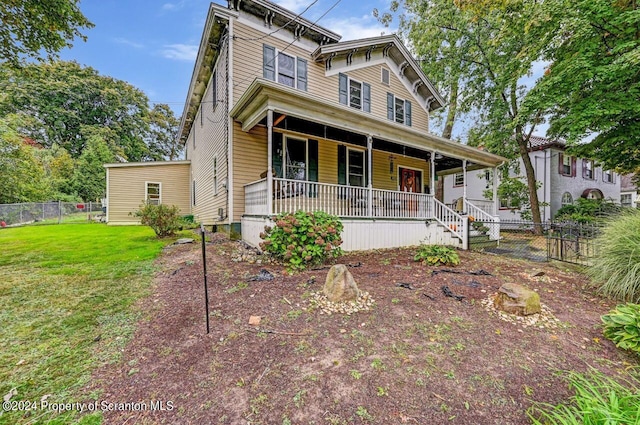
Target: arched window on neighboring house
{"points": [[593, 194], [567, 199]]}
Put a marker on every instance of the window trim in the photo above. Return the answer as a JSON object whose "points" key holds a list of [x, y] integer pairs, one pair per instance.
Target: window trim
{"points": [[611, 179], [586, 168], [349, 82], [364, 166], [399, 177], [382, 73], [572, 165], [285, 141], [407, 118], [562, 199], [146, 191], [298, 81], [625, 196], [455, 179]]}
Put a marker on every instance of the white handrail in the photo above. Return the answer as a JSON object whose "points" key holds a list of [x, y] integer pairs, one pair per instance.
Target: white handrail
{"points": [[450, 219]]}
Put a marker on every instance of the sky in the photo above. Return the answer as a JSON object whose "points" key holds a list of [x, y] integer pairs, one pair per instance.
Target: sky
{"points": [[153, 44]]}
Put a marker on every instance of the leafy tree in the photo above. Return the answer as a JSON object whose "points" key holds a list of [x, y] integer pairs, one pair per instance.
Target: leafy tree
{"points": [[89, 177], [163, 131], [32, 27], [21, 176], [60, 102], [487, 51], [592, 86]]}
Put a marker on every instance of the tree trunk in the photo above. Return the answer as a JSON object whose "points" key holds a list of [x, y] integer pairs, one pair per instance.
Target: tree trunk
{"points": [[531, 180]]}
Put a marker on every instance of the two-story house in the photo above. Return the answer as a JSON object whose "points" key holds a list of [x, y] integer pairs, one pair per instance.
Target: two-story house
{"points": [[629, 191], [282, 116], [562, 179]]}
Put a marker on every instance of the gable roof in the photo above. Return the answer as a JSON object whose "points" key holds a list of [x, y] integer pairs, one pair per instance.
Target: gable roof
{"points": [[393, 49], [537, 143]]}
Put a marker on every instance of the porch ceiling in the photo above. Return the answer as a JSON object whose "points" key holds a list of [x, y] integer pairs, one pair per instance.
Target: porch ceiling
{"points": [[263, 95]]}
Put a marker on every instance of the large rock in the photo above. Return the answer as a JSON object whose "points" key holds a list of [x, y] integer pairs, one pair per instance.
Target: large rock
{"points": [[517, 299], [340, 285]]}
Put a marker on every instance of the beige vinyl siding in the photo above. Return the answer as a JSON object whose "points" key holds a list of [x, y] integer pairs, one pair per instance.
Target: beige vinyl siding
{"points": [[210, 132], [249, 161], [383, 179], [248, 66], [127, 188]]}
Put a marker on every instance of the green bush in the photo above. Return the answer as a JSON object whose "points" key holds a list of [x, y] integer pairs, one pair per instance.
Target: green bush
{"points": [[622, 326], [616, 269], [598, 399], [435, 255], [303, 239], [165, 220], [587, 210]]}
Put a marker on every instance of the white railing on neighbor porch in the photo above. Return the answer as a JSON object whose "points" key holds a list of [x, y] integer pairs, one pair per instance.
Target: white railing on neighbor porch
{"points": [[489, 207], [347, 201]]}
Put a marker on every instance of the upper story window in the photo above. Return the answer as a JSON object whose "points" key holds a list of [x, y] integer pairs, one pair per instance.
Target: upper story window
{"points": [[607, 176], [566, 165], [354, 93], [152, 193], [458, 179], [283, 68], [398, 110], [587, 169]]}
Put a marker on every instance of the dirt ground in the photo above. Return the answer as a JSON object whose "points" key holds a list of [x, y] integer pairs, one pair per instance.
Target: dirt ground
{"points": [[416, 357]]}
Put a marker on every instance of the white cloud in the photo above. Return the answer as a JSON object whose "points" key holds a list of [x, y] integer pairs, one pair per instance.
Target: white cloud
{"points": [[174, 6], [352, 28], [130, 43], [296, 6], [182, 52]]}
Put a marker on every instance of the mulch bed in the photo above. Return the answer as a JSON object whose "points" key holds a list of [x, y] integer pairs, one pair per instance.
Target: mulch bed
{"points": [[420, 355]]}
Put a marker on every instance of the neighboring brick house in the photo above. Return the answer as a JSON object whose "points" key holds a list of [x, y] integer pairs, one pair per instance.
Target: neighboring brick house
{"points": [[563, 179], [280, 116]]}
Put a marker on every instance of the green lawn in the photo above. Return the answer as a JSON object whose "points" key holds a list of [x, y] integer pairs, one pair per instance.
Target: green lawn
{"points": [[61, 288]]}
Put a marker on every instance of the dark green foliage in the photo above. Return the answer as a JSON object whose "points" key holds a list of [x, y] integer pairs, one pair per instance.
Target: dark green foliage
{"points": [[435, 255], [163, 219], [587, 210], [622, 326], [616, 269], [303, 239], [598, 399], [31, 28]]}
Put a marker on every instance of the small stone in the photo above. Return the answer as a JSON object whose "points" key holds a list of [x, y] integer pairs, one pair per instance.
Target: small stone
{"points": [[254, 320]]}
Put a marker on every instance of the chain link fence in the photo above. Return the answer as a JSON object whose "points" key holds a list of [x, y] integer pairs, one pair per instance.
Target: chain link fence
{"points": [[51, 213]]}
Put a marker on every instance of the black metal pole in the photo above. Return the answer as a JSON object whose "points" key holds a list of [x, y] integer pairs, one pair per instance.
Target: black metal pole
{"points": [[204, 267]]}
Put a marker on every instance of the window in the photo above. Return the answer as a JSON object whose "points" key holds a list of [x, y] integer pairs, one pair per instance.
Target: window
{"points": [[566, 165], [607, 176], [215, 175], [354, 93], [625, 200], [283, 68], [458, 179], [355, 167], [567, 199], [398, 110], [152, 191], [587, 169], [385, 76], [295, 159]]}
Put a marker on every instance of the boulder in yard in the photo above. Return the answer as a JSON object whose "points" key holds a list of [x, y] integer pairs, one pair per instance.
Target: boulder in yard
{"points": [[517, 299], [340, 285]]}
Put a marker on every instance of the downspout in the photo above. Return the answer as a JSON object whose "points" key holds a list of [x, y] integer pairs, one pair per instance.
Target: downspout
{"points": [[369, 174], [230, 179]]}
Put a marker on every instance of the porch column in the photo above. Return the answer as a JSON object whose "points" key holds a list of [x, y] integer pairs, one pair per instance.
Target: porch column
{"points": [[432, 174], [496, 202], [369, 174], [464, 185], [269, 161]]}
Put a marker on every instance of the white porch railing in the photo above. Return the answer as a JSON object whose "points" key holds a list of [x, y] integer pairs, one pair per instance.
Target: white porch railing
{"points": [[347, 201], [489, 207]]}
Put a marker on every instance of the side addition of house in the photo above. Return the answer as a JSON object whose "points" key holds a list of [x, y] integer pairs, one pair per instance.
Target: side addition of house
{"points": [[282, 116]]}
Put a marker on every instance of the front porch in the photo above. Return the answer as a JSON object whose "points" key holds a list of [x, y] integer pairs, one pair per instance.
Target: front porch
{"points": [[379, 177]]}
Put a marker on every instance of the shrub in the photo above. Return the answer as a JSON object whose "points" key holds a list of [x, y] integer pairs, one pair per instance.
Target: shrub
{"points": [[622, 326], [598, 399], [163, 219], [616, 269], [303, 239], [587, 210], [435, 255]]}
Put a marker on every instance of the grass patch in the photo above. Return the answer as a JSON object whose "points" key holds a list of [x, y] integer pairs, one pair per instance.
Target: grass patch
{"points": [[67, 292]]}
